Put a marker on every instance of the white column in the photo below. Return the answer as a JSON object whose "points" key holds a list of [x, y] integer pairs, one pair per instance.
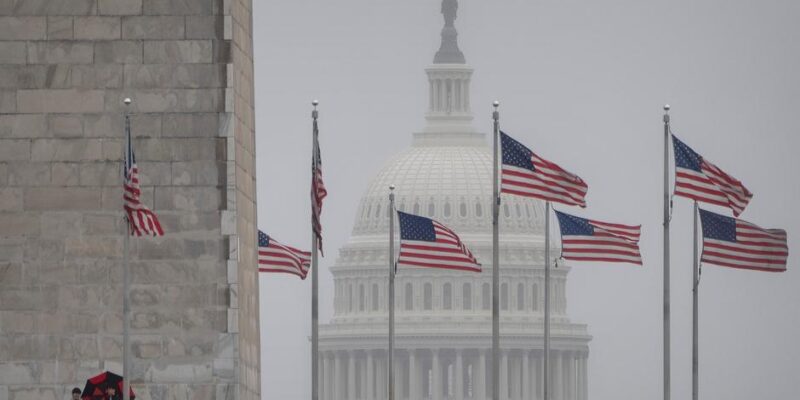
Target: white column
{"points": [[516, 369], [363, 367], [351, 376], [339, 374], [534, 376], [539, 363], [380, 382], [398, 379], [328, 372], [437, 376], [573, 380], [569, 376], [413, 375], [503, 375], [526, 375], [585, 376], [370, 377], [578, 376], [480, 392], [430, 94], [459, 375], [558, 387], [324, 378], [564, 371], [512, 375]]}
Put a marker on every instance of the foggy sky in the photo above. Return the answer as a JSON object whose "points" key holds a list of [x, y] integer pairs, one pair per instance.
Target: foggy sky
{"points": [[582, 83]]}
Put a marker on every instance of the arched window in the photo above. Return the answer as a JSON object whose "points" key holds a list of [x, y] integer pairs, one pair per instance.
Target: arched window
{"points": [[478, 209], [447, 208], [535, 295], [374, 297], [519, 212], [520, 297], [378, 211], [447, 297], [528, 210], [466, 294], [506, 210], [416, 207], [431, 208], [369, 211], [504, 296], [486, 296], [360, 297], [462, 209], [409, 297], [428, 292]]}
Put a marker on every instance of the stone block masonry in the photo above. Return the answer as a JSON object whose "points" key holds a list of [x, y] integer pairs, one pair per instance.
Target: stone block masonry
{"points": [[65, 67]]}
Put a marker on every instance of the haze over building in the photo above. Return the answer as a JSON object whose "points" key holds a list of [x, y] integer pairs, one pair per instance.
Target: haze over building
{"points": [[443, 319]]}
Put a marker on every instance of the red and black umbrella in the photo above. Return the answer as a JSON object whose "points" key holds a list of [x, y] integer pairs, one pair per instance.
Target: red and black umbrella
{"points": [[95, 388]]}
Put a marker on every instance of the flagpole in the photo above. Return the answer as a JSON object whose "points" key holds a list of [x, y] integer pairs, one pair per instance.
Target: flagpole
{"points": [[126, 278], [546, 384], [314, 274], [495, 260], [695, 288], [392, 268], [667, 206]]}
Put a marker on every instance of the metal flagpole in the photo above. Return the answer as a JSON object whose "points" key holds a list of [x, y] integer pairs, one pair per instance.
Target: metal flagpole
{"points": [[391, 294], [126, 278], [495, 261], [546, 384], [314, 274], [695, 288], [667, 206]]}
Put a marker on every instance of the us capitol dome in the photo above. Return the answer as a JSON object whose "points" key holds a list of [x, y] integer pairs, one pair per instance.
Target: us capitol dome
{"points": [[443, 324]]}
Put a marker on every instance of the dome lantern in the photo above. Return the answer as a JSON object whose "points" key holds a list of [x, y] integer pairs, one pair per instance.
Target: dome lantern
{"points": [[449, 113]]}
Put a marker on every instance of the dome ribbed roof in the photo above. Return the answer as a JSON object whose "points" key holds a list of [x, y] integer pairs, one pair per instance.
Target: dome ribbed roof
{"points": [[450, 183]]}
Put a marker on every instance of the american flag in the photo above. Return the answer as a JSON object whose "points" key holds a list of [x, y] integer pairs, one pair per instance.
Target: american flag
{"points": [[318, 191], [141, 221], [526, 174], [427, 243], [589, 240], [276, 257], [731, 242], [698, 179]]}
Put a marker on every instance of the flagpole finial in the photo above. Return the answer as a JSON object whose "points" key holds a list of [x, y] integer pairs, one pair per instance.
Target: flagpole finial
{"points": [[127, 101], [496, 104], [391, 187], [666, 107], [315, 103]]}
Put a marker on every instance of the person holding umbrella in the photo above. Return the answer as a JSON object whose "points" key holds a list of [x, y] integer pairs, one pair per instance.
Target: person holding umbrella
{"points": [[106, 386], [111, 393]]}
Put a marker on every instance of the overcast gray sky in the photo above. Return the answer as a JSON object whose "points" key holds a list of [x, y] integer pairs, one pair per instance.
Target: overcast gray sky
{"points": [[583, 82]]}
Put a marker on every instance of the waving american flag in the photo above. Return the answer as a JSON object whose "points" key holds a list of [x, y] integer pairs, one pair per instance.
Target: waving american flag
{"points": [[141, 221], [318, 191], [589, 240], [731, 242], [427, 243], [526, 174], [276, 257], [698, 179]]}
